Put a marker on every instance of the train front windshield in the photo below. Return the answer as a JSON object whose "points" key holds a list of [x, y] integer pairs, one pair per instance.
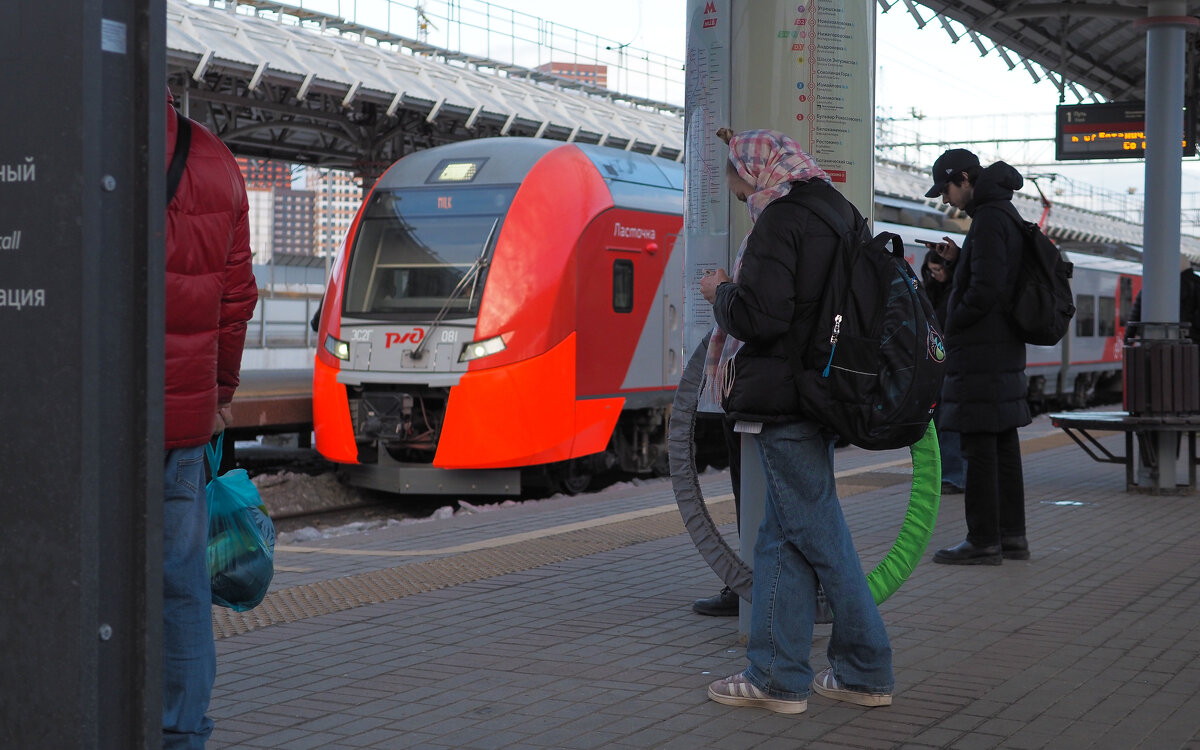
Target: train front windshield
{"points": [[422, 251]]}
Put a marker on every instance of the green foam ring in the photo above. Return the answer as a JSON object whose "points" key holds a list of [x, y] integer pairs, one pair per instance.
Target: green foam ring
{"points": [[919, 519]]}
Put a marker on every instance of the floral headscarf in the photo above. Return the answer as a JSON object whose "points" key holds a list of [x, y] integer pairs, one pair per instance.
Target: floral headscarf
{"points": [[770, 161]]}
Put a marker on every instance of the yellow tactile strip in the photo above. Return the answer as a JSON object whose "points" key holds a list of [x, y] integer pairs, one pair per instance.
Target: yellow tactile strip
{"points": [[377, 586], [511, 554]]}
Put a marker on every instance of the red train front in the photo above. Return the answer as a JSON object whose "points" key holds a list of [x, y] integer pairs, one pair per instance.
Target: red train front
{"points": [[500, 304]]}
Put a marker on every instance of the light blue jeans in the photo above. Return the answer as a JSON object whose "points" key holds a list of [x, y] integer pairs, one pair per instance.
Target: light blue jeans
{"points": [[804, 541], [954, 469], [189, 654]]}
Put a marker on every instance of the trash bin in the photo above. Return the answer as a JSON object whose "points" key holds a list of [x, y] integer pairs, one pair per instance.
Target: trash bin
{"points": [[1161, 376]]}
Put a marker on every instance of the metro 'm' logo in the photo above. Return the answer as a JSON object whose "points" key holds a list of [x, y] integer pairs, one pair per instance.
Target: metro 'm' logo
{"points": [[412, 337], [710, 7]]}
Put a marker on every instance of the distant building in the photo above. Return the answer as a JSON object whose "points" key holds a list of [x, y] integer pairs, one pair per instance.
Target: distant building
{"points": [[596, 75], [307, 216], [337, 196], [262, 222], [281, 222], [264, 178], [293, 222]]}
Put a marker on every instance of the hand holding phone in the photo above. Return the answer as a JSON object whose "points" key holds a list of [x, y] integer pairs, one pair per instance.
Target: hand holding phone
{"points": [[945, 247]]}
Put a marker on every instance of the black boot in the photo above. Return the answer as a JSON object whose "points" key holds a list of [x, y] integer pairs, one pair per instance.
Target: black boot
{"points": [[724, 604], [966, 553], [1014, 548]]}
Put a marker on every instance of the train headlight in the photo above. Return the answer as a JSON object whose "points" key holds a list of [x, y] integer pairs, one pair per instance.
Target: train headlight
{"points": [[476, 349], [337, 348]]}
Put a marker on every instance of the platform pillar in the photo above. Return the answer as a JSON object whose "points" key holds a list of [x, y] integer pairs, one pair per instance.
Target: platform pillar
{"points": [[1166, 24], [81, 225]]}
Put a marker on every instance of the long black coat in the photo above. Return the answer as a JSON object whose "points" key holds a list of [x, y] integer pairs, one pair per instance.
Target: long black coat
{"points": [[768, 301], [985, 388]]}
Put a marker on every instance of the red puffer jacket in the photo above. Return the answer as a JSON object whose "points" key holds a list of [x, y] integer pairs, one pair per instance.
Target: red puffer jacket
{"points": [[210, 286]]}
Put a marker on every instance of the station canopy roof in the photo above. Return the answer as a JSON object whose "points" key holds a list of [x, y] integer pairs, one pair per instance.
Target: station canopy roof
{"points": [[276, 90], [319, 95], [1098, 46]]}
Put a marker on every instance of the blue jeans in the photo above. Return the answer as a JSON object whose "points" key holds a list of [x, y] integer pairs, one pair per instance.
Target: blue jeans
{"points": [[950, 446], [953, 468], [804, 541], [189, 654]]}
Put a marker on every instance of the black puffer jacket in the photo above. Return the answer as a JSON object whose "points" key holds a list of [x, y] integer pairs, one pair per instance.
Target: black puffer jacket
{"points": [[766, 302], [985, 388]]}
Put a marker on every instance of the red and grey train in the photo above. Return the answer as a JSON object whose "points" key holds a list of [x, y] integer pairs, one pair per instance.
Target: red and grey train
{"points": [[509, 309], [503, 304]]}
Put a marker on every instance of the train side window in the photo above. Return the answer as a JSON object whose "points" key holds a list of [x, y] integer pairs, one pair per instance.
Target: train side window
{"points": [[1125, 290], [1085, 315], [1106, 318], [622, 286]]}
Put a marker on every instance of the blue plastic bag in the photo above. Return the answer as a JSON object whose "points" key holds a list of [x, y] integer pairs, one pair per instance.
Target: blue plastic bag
{"points": [[241, 537]]}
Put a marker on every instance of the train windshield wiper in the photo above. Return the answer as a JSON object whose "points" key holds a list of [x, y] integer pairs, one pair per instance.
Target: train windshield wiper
{"points": [[470, 278]]}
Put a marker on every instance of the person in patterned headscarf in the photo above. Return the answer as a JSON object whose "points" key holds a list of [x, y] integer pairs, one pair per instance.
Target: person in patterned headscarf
{"points": [[778, 281]]}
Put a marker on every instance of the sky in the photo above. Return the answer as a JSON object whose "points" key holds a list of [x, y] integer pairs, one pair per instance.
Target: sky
{"points": [[926, 85]]}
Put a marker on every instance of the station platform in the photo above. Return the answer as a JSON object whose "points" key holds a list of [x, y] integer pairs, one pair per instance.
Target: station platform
{"points": [[567, 623]]}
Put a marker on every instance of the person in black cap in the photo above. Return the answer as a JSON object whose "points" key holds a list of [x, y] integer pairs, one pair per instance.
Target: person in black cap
{"points": [[984, 393], [950, 167]]}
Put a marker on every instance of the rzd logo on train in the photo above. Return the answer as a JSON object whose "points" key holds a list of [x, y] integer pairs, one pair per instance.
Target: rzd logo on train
{"points": [[412, 337]]}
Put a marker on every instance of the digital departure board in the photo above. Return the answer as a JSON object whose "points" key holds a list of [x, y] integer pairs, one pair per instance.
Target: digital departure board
{"points": [[1113, 130]]}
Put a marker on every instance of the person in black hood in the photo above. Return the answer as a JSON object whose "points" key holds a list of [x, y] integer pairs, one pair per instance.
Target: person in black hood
{"points": [[984, 396]]}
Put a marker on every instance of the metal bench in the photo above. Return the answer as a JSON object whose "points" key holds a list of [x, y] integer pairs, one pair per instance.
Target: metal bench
{"points": [[1078, 425]]}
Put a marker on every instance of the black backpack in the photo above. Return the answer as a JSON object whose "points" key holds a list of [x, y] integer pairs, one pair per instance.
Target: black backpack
{"points": [[873, 367], [1042, 304]]}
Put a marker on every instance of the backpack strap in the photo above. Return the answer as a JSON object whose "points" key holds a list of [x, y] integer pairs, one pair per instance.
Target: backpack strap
{"points": [[183, 144], [825, 210], [1028, 232]]}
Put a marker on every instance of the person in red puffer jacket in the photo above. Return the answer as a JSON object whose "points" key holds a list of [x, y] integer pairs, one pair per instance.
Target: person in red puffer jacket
{"points": [[210, 295]]}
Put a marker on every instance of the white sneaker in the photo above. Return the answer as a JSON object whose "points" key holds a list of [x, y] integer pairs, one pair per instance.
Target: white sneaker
{"points": [[738, 691], [827, 685]]}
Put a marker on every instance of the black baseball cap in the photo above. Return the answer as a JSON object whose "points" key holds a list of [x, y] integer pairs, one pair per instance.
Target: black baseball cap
{"points": [[950, 163]]}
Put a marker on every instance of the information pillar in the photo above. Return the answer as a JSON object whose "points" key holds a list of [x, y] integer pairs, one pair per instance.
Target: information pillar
{"points": [[806, 68]]}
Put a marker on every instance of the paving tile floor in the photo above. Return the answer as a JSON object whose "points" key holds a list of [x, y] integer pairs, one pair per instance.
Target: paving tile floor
{"points": [[1093, 643]]}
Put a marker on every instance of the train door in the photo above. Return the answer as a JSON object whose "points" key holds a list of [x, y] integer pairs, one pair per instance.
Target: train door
{"points": [[671, 292], [623, 315]]}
